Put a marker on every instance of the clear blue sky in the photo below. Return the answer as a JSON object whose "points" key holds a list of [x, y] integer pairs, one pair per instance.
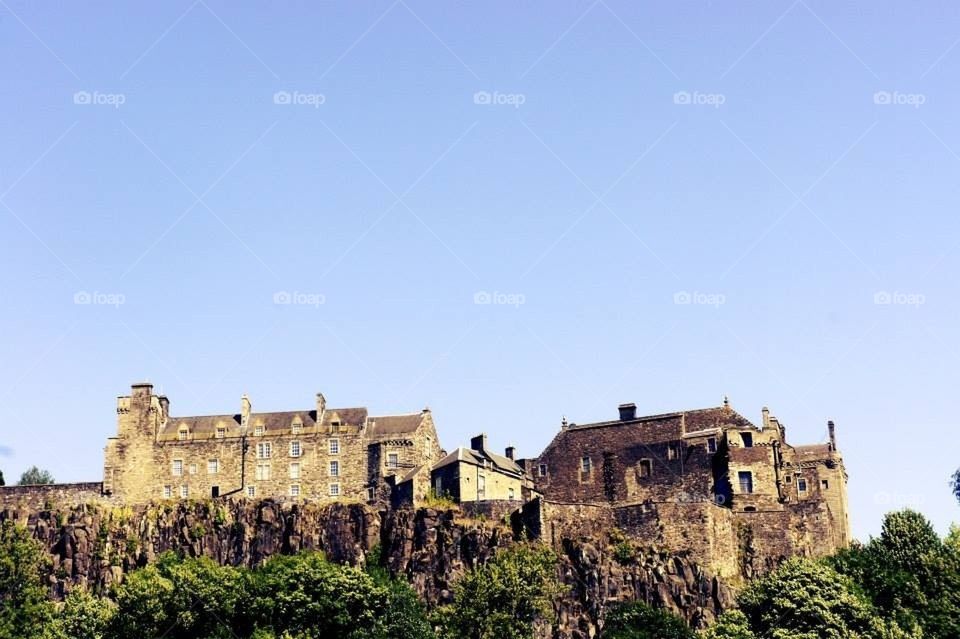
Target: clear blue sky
{"points": [[622, 153]]}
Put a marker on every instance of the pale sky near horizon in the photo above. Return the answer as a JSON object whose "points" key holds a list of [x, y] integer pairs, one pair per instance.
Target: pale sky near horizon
{"points": [[509, 212]]}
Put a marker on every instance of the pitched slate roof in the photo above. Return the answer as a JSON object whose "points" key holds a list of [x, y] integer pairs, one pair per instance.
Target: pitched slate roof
{"points": [[395, 424], [695, 420], [478, 458]]}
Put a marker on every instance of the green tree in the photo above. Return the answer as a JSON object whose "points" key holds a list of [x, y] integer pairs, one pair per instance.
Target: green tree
{"points": [[83, 616], [35, 476], [505, 597], [955, 484], [405, 616], [24, 608], [637, 620], [732, 624], [2, 482]]}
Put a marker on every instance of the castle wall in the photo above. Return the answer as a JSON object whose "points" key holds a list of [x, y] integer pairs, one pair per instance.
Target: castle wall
{"points": [[42, 497]]}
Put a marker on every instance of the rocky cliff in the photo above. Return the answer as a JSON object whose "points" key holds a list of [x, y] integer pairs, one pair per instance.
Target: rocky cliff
{"points": [[93, 545]]}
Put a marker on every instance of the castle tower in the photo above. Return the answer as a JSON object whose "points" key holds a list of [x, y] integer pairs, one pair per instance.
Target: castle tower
{"points": [[128, 457]]}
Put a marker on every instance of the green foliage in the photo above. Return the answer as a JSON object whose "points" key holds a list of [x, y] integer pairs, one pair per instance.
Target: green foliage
{"points": [[732, 624], [439, 501], [2, 482], [637, 620], [405, 616], [35, 476], [623, 550], [24, 609], [83, 616], [503, 598], [955, 484]]}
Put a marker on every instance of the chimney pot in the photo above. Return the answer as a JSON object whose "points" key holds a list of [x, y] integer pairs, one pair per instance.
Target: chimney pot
{"points": [[627, 411]]}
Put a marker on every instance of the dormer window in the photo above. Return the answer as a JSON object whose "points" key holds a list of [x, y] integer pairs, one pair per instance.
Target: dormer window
{"points": [[258, 431], [183, 433], [221, 432], [296, 428], [335, 426]]}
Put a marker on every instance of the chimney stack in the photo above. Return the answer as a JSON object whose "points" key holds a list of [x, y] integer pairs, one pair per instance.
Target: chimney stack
{"points": [[833, 435], [141, 389], [479, 442], [164, 408], [510, 452], [627, 411], [321, 406], [766, 417], [245, 407]]}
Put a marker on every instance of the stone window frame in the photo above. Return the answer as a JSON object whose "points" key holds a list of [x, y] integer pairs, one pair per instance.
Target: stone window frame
{"points": [[645, 463], [168, 492], [294, 490], [264, 450], [511, 494], [221, 432], [393, 460], [213, 466], [745, 479], [746, 438], [334, 489], [334, 447], [673, 451], [251, 491], [824, 484], [194, 469], [296, 448], [183, 434], [184, 491], [263, 471], [711, 445], [258, 431], [802, 486], [294, 470], [296, 427], [586, 464], [334, 468], [176, 468], [542, 470]]}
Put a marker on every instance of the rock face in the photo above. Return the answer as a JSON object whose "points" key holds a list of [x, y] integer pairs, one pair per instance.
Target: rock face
{"points": [[94, 545]]}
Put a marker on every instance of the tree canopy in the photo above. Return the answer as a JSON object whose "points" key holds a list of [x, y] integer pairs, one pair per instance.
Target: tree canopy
{"points": [[35, 476]]}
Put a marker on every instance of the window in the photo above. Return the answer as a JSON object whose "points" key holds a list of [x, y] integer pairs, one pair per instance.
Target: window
{"points": [[177, 467], [543, 470], [297, 428], [295, 470], [258, 431], [167, 492], [747, 439], [193, 469], [213, 466], [295, 449], [215, 491], [585, 464], [264, 450], [393, 460], [184, 491], [263, 472], [481, 485], [334, 446], [251, 491], [646, 468], [824, 484], [182, 435], [334, 469], [370, 494], [334, 427], [438, 486], [672, 452], [712, 445], [295, 490], [746, 481], [801, 484], [221, 432], [334, 490], [510, 494]]}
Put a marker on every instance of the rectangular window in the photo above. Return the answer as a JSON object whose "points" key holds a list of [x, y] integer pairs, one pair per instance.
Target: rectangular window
{"points": [[334, 490], [182, 435], [177, 467], [184, 491], [671, 451], [213, 466], [370, 494], [295, 470], [295, 490], [746, 481], [335, 427], [393, 460], [801, 484], [543, 470], [824, 484], [193, 469], [510, 494], [221, 432], [264, 450], [585, 464], [646, 468], [334, 469], [712, 445], [263, 472], [334, 446], [251, 491], [258, 431], [295, 449], [167, 492], [747, 439], [297, 429]]}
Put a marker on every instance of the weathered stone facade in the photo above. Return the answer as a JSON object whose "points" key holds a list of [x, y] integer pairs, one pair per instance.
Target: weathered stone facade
{"points": [[324, 454], [709, 482]]}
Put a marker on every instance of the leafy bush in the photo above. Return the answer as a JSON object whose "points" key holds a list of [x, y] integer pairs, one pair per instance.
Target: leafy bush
{"points": [[24, 609], [637, 620]]}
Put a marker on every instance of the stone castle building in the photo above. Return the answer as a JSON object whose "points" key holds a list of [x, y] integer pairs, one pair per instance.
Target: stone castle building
{"points": [[319, 453]]}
